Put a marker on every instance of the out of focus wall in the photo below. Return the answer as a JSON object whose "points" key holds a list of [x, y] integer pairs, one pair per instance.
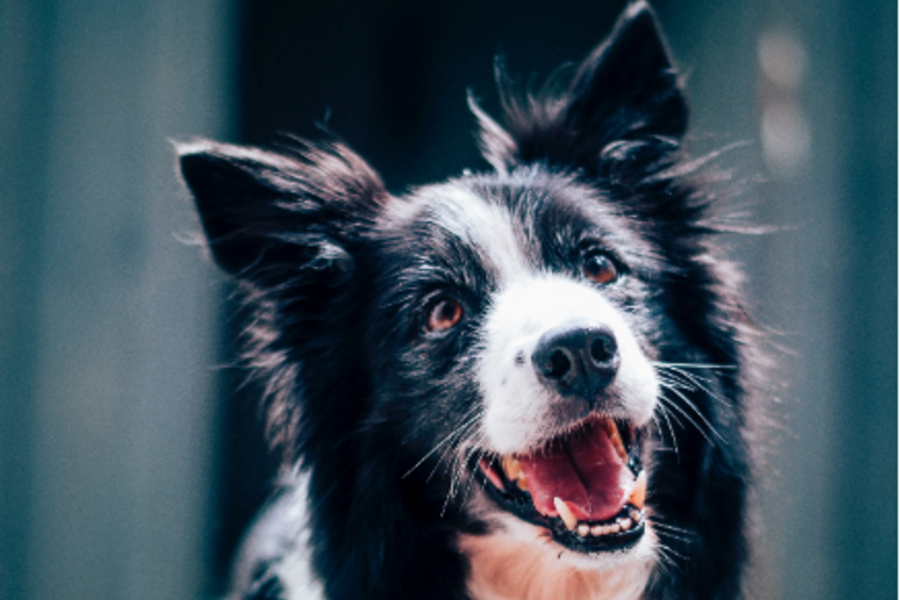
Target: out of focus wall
{"points": [[107, 332]]}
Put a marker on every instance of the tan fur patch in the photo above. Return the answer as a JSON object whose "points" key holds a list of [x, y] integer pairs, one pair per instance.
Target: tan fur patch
{"points": [[507, 568]]}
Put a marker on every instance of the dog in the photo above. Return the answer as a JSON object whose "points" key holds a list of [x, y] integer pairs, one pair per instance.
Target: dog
{"points": [[534, 382]]}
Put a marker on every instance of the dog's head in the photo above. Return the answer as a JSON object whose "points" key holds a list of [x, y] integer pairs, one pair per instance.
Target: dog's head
{"points": [[494, 346]]}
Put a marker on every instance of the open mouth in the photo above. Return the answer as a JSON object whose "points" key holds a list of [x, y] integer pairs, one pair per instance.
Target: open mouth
{"points": [[586, 487]]}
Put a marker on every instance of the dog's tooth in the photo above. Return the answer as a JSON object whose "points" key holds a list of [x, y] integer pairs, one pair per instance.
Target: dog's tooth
{"points": [[597, 530], [522, 482], [583, 529], [565, 513], [610, 426], [639, 493], [635, 515], [616, 438], [614, 528], [625, 524], [512, 467]]}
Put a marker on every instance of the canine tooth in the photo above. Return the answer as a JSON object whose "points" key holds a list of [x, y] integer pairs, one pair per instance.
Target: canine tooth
{"points": [[565, 513], [616, 438], [583, 529], [512, 467], [610, 426], [639, 493], [625, 524], [597, 530]]}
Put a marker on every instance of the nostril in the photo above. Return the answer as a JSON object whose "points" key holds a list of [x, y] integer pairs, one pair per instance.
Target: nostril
{"points": [[560, 364], [577, 360], [603, 348]]}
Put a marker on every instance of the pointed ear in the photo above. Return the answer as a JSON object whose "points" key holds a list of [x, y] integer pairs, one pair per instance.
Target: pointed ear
{"points": [[627, 87], [261, 210], [625, 101]]}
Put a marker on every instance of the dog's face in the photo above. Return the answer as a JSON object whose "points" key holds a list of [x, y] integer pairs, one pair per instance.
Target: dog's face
{"points": [[513, 330], [499, 356]]}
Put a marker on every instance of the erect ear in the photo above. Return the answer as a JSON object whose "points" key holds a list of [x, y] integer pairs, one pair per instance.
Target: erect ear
{"points": [[263, 211], [628, 87], [625, 101]]}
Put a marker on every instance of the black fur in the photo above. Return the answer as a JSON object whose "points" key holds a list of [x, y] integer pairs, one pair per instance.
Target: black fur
{"points": [[357, 395]]}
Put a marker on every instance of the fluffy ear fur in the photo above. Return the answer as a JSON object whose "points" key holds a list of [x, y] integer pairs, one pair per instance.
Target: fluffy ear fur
{"points": [[624, 103], [289, 228], [263, 211]]}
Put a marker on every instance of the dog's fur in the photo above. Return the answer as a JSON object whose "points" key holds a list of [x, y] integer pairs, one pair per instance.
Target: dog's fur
{"points": [[406, 344]]}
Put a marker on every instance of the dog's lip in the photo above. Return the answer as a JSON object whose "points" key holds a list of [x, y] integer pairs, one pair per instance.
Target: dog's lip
{"points": [[619, 526]]}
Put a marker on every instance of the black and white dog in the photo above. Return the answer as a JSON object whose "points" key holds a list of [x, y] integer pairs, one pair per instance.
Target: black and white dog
{"points": [[528, 383]]}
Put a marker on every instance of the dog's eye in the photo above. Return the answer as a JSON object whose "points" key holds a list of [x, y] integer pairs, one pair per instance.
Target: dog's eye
{"points": [[444, 314], [599, 268]]}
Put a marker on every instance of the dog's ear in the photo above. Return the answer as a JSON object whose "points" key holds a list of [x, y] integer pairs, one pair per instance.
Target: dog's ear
{"points": [[625, 102], [628, 87], [264, 212]]}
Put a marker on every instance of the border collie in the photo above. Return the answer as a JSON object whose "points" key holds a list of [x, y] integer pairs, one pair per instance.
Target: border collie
{"points": [[532, 382]]}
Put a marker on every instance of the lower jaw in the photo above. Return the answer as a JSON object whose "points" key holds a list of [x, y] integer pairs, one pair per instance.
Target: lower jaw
{"points": [[606, 536], [617, 534]]}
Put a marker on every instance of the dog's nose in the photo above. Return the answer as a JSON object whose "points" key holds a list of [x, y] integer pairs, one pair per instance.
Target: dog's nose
{"points": [[580, 361]]}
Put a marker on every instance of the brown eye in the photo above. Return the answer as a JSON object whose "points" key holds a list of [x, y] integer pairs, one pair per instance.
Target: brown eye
{"points": [[599, 268], [445, 314]]}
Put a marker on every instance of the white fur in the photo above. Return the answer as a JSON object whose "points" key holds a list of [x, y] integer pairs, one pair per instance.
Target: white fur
{"points": [[294, 567], [485, 226], [520, 561], [504, 568], [519, 409]]}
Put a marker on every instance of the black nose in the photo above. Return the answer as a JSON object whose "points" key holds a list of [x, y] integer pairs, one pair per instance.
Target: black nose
{"points": [[580, 361]]}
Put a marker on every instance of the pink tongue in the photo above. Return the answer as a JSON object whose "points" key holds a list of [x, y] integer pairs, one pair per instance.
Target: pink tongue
{"points": [[585, 471]]}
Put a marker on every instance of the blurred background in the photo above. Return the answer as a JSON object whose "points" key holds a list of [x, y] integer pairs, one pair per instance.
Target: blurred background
{"points": [[128, 466]]}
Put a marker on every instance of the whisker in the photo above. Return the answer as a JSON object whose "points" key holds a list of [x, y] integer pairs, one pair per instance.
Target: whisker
{"points": [[710, 366], [467, 422], [667, 564], [682, 372], [668, 380], [665, 414], [667, 402], [674, 406], [673, 536], [668, 550], [696, 411], [452, 450], [480, 455], [662, 438], [458, 465], [657, 523], [698, 381]]}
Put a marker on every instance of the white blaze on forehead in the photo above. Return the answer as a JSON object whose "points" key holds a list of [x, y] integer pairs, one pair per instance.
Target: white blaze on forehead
{"points": [[519, 408], [486, 226]]}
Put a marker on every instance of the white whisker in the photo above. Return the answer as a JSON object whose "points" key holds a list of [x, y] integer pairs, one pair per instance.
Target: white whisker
{"points": [[696, 411], [468, 420]]}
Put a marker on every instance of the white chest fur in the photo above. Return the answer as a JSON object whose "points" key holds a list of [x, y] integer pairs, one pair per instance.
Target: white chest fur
{"points": [[505, 567]]}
